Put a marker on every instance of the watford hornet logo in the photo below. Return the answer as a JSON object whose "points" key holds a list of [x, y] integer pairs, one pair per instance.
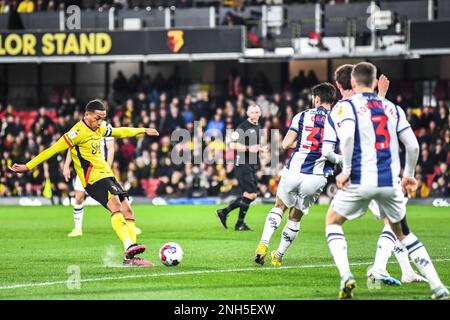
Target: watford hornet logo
{"points": [[175, 40]]}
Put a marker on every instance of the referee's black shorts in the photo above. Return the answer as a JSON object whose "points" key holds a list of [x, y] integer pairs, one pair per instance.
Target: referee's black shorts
{"points": [[246, 175], [104, 188]]}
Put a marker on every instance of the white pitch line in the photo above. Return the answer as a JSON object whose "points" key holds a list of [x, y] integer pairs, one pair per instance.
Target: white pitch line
{"points": [[183, 273]]}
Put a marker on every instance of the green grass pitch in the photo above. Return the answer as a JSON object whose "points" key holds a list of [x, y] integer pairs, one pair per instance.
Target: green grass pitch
{"points": [[37, 257]]}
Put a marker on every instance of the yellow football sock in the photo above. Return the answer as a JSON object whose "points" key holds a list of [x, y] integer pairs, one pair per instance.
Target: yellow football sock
{"points": [[121, 228], [132, 229]]}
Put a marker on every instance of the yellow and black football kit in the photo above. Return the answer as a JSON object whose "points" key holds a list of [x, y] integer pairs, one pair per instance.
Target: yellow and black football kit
{"points": [[94, 172]]}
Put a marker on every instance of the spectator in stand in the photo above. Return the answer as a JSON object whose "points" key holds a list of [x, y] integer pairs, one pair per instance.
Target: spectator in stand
{"points": [[412, 118], [14, 126], [311, 79], [262, 84], [159, 83], [14, 21], [127, 153], [439, 155], [441, 115], [234, 83], [51, 5], [200, 106], [422, 189], [4, 6], [26, 6], [141, 103], [133, 84], [65, 108], [216, 126], [232, 19], [187, 115], [440, 186], [433, 132], [442, 173], [299, 82], [163, 122], [120, 87], [427, 117], [422, 136], [150, 157], [426, 162]]}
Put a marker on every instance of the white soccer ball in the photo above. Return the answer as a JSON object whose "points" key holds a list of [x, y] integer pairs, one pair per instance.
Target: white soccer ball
{"points": [[171, 254]]}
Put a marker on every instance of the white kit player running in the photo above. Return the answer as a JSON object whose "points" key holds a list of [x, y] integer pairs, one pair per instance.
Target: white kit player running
{"points": [[107, 150], [387, 241], [305, 175], [369, 132]]}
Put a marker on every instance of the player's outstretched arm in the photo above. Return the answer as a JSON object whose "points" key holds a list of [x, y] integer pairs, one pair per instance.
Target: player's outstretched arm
{"points": [[125, 132], [58, 147], [383, 86]]}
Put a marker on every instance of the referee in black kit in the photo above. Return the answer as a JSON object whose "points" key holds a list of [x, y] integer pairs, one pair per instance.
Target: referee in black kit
{"points": [[246, 139]]}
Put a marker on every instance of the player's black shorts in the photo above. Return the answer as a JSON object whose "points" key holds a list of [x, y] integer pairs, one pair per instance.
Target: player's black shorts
{"points": [[104, 188], [246, 175]]}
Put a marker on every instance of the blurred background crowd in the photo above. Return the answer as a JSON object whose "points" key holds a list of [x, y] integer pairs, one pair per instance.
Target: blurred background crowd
{"points": [[145, 166], [27, 6]]}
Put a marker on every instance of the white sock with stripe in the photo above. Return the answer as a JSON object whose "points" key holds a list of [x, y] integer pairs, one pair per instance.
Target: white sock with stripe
{"points": [[421, 259], [338, 247], [401, 254], [272, 223], [78, 216], [290, 232], [385, 246]]}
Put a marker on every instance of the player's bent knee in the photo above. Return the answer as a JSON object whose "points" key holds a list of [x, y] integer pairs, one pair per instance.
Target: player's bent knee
{"points": [[280, 205], [397, 229], [79, 199], [114, 205], [334, 218], [128, 214]]}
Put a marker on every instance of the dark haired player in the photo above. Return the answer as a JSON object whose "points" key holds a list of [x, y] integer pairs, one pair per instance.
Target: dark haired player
{"points": [[84, 141], [369, 129], [305, 174], [387, 241]]}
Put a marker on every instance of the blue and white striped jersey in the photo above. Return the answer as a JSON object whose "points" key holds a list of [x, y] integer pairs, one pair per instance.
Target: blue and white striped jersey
{"points": [[375, 160], [307, 157]]}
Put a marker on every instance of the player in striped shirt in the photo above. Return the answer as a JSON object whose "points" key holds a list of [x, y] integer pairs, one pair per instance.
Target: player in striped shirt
{"points": [[305, 175], [387, 241], [368, 132]]}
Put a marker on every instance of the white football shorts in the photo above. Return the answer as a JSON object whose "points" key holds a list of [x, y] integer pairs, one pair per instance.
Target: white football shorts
{"points": [[353, 201], [298, 190], [375, 208]]}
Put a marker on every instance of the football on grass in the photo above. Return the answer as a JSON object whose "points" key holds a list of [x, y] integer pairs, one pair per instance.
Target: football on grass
{"points": [[171, 254]]}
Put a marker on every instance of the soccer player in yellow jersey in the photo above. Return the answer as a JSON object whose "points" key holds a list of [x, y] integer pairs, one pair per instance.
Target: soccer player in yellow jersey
{"points": [[84, 140]]}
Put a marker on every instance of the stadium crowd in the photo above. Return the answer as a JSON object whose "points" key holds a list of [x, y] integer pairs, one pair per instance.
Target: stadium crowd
{"points": [[28, 6], [146, 166]]}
